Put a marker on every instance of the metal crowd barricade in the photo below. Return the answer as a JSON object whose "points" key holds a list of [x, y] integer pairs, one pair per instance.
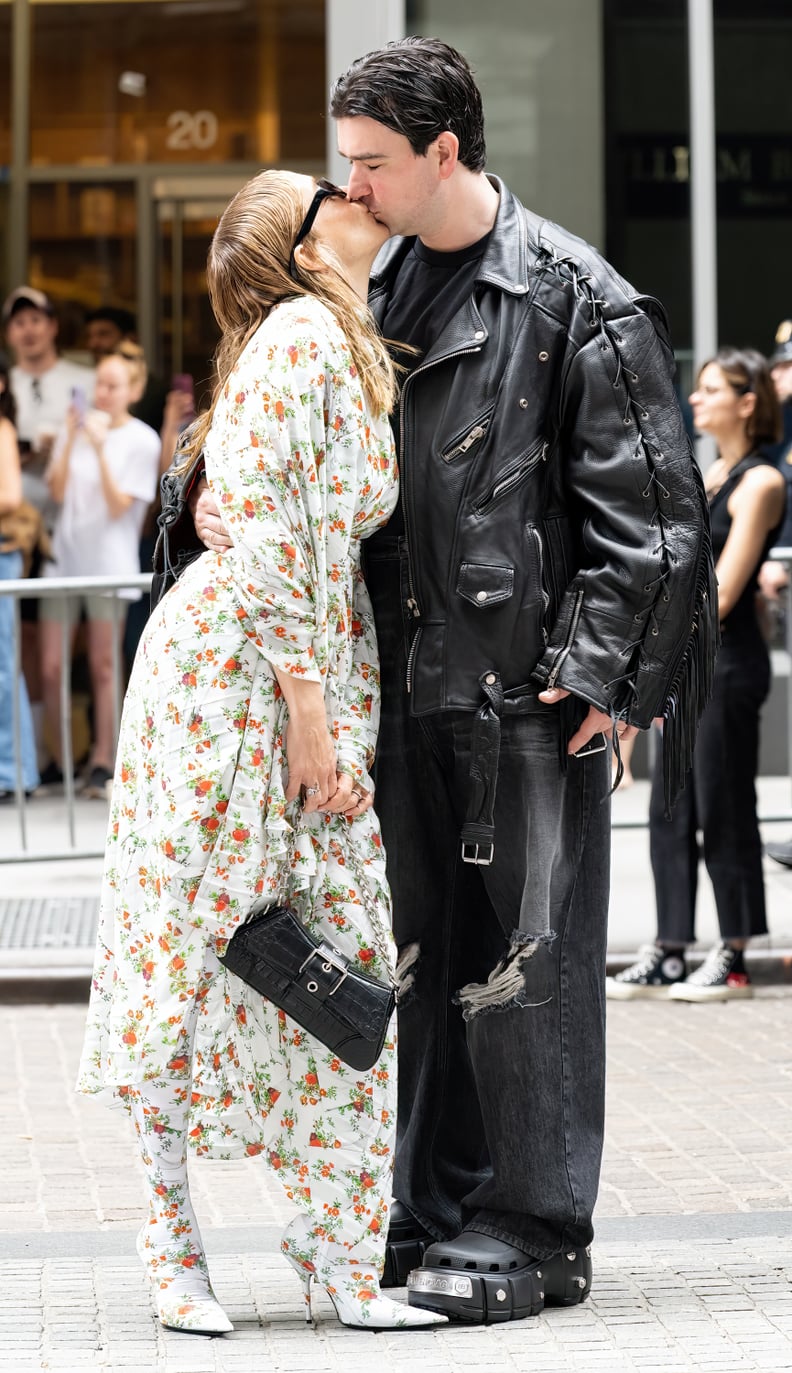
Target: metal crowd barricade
{"points": [[62, 588], [71, 586]]}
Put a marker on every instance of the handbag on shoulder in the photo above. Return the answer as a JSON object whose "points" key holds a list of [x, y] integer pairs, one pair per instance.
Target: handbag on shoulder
{"points": [[314, 983]]}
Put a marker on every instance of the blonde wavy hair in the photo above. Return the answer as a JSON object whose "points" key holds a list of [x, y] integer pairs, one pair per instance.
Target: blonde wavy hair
{"points": [[248, 274]]}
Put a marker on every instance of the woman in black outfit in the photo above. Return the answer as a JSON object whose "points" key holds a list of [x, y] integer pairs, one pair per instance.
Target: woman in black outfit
{"points": [[734, 401]]}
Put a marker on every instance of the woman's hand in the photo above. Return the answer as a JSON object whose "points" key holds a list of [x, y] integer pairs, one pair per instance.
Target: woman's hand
{"points": [[310, 750], [95, 431], [311, 760]]}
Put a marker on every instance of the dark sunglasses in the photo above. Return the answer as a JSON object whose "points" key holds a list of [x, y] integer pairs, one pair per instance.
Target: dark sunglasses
{"points": [[324, 189]]}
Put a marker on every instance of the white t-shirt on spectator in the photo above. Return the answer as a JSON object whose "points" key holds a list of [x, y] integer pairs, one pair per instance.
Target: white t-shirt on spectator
{"points": [[41, 404], [87, 542], [43, 401]]}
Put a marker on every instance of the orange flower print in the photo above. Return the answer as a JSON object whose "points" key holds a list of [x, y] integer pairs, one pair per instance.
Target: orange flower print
{"points": [[303, 471]]}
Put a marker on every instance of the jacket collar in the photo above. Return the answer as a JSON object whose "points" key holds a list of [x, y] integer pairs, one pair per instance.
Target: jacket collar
{"points": [[504, 264]]}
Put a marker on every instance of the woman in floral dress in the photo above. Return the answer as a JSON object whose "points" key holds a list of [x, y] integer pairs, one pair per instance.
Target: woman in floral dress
{"points": [[242, 771]]}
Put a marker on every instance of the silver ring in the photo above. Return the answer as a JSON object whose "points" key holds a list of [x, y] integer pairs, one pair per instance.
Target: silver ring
{"points": [[312, 791], [358, 794]]}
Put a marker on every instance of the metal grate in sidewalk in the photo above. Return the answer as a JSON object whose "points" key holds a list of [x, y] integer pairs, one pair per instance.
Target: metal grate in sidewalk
{"points": [[49, 922]]}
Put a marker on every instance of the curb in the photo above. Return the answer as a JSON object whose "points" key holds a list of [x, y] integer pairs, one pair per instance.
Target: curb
{"points": [[36, 976]]}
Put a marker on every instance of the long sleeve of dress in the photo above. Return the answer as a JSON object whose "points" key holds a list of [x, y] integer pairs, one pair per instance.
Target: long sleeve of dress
{"points": [[268, 467]]}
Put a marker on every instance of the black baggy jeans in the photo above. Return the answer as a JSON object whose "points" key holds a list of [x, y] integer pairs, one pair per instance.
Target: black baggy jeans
{"points": [[501, 1113]]}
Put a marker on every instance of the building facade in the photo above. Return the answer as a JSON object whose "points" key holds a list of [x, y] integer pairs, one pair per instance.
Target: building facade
{"points": [[126, 125]]}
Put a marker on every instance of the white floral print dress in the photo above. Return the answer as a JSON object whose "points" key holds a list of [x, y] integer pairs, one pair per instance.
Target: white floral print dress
{"points": [[199, 827]]}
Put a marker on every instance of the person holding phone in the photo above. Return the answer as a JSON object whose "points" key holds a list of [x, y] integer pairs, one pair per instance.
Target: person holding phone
{"points": [[103, 475], [11, 567]]}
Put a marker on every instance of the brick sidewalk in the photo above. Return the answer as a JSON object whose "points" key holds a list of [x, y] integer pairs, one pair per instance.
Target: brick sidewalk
{"points": [[692, 1263]]}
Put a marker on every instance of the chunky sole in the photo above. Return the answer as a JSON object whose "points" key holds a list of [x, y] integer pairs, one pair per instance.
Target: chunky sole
{"points": [[485, 1298]]}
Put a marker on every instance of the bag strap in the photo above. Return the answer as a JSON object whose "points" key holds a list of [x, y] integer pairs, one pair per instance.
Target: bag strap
{"points": [[380, 931], [378, 927]]}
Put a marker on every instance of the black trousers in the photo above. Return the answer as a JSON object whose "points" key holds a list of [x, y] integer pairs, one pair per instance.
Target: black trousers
{"points": [[720, 800], [500, 1106]]}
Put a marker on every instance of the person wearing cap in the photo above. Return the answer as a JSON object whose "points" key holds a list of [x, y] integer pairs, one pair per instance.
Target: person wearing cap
{"points": [[43, 385], [42, 382], [774, 576]]}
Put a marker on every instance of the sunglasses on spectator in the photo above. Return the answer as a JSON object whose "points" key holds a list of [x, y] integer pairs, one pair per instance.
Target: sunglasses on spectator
{"points": [[324, 189]]}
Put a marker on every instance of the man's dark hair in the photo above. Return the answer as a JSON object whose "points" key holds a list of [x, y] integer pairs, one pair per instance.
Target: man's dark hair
{"points": [[419, 87], [7, 402], [123, 320]]}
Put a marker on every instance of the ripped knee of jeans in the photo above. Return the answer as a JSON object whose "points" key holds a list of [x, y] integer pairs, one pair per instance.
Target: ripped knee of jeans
{"points": [[504, 989], [406, 969]]}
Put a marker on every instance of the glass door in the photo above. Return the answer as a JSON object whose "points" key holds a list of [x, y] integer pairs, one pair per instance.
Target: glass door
{"points": [[187, 211]]}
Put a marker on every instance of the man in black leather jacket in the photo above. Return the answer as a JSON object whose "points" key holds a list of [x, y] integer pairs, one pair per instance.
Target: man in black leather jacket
{"points": [[545, 582]]}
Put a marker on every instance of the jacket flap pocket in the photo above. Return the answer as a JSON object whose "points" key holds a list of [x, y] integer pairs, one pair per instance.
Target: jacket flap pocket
{"points": [[485, 584]]}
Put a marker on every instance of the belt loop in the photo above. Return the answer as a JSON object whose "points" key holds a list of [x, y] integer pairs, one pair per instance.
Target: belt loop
{"points": [[478, 831]]}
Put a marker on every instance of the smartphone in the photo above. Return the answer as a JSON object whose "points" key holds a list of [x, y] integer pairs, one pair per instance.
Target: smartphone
{"points": [[80, 402], [596, 744], [182, 381]]}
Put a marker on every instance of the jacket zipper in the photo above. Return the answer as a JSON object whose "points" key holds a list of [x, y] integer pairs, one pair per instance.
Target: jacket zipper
{"points": [[477, 432], [570, 634], [411, 658], [545, 597], [412, 601], [514, 476]]}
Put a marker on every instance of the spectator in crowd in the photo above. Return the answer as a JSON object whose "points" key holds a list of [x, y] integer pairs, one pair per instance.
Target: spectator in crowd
{"points": [[736, 403], [13, 537], [103, 474], [774, 576], [42, 384], [106, 328]]}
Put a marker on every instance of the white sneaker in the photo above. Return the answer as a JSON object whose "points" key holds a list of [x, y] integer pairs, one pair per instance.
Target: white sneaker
{"points": [[654, 974], [714, 980]]}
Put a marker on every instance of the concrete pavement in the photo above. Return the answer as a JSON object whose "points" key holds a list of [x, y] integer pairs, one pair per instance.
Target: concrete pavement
{"points": [[693, 1255]]}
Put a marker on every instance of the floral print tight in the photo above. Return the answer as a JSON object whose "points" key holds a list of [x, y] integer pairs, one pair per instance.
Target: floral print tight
{"points": [[326, 1130]]}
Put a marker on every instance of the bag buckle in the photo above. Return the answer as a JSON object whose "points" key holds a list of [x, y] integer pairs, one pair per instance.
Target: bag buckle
{"points": [[329, 958], [482, 854]]}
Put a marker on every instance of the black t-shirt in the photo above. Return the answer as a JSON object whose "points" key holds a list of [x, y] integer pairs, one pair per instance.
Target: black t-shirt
{"points": [[429, 290]]}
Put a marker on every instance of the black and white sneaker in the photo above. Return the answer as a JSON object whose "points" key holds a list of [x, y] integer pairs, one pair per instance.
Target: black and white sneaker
{"points": [[653, 975], [716, 979]]}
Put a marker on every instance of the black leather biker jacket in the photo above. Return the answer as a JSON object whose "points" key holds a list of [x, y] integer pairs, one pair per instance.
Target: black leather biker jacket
{"points": [[555, 516]]}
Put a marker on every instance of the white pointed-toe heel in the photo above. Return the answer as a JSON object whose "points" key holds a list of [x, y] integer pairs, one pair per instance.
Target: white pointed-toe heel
{"points": [[191, 1305], [355, 1293]]}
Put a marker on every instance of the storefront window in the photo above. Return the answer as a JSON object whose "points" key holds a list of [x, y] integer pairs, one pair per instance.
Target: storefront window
{"points": [[83, 246], [648, 167], [178, 81]]}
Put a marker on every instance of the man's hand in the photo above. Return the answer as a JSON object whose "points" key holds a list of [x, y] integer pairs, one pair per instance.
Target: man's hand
{"points": [[206, 515], [596, 722], [351, 799]]}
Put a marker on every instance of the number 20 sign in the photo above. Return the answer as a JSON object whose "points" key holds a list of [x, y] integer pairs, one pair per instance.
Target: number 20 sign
{"points": [[191, 130]]}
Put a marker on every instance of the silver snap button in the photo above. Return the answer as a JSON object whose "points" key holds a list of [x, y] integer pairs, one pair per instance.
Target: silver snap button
{"points": [[543, 356], [313, 986], [481, 595], [490, 679], [523, 403], [479, 333], [327, 967]]}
